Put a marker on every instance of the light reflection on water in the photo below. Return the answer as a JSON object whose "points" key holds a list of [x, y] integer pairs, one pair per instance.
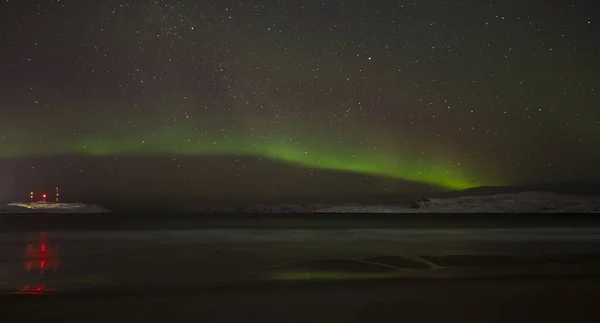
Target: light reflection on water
{"points": [[41, 263], [47, 262]]}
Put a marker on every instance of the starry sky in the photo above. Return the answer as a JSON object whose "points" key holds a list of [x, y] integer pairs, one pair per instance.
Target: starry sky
{"points": [[296, 97]]}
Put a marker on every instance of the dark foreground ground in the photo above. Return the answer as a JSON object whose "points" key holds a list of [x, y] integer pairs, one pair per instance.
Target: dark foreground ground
{"points": [[515, 300], [294, 268]]}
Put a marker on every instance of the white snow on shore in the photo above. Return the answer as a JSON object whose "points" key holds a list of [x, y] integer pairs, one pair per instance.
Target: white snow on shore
{"points": [[530, 201], [40, 207]]}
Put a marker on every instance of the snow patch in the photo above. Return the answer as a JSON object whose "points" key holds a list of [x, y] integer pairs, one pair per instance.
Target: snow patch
{"points": [[48, 207]]}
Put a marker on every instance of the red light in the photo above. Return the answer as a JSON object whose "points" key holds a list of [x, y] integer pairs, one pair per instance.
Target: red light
{"points": [[43, 247], [44, 195]]}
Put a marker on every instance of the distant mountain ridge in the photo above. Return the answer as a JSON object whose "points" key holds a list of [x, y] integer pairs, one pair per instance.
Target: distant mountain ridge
{"points": [[590, 187]]}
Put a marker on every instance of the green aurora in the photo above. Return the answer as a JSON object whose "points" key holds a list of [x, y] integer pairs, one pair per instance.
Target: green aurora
{"points": [[173, 141]]}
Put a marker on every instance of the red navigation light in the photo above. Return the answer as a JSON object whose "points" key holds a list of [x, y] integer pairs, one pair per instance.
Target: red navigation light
{"points": [[44, 195]]}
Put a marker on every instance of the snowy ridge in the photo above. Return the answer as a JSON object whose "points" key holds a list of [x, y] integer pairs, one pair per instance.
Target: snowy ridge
{"points": [[495, 203]]}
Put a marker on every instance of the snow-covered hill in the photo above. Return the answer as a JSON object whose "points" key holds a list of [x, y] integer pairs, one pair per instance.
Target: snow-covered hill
{"points": [[496, 203]]}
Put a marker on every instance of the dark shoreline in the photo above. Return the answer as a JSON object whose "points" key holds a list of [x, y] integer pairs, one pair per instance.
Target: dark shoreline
{"points": [[187, 221]]}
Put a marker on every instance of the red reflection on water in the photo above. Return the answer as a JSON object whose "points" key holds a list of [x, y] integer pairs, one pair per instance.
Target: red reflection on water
{"points": [[39, 257], [36, 290]]}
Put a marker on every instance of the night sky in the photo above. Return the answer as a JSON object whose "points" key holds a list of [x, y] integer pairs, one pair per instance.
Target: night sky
{"points": [[284, 98]]}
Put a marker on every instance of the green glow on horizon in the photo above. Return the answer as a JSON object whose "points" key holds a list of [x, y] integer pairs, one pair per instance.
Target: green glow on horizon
{"points": [[425, 169], [326, 275]]}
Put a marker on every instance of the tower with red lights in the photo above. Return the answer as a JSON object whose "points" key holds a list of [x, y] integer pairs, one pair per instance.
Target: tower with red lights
{"points": [[44, 197]]}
